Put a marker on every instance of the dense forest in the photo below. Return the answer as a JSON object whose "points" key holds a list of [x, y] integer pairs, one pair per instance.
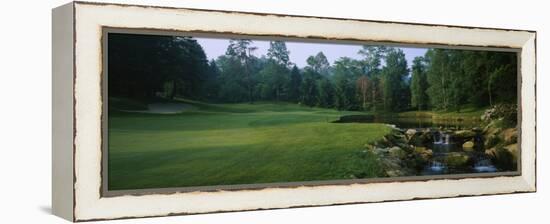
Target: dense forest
{"points": [[149, 67]]}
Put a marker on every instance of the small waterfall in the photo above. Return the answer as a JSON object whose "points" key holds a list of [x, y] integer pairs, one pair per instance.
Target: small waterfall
{"points": [[437, 137], [442, 138], [447, 139]]}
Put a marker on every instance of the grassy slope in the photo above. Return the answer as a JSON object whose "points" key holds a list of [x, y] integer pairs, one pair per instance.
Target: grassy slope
{"points": [[237, 144]]}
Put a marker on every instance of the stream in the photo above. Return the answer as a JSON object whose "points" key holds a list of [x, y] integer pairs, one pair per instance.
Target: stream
{"points": [[443, 147], [449, 156]]}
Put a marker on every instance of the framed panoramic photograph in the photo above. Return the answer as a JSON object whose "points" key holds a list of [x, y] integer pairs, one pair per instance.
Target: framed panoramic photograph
{"points": [[164, 111]]}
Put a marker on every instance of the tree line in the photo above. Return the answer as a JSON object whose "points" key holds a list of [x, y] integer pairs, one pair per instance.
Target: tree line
{"points": [[447, 79], [145, 67]]}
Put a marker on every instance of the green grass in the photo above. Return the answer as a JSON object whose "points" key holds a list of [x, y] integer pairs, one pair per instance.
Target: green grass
{"points": [[469, 112], [221, 144]]}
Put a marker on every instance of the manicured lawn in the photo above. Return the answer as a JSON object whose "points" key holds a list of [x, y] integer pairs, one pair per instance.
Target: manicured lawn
{"points": [[220, 144]]}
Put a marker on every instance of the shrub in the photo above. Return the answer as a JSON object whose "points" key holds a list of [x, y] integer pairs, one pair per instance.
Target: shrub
{"points": [[507, 113]]}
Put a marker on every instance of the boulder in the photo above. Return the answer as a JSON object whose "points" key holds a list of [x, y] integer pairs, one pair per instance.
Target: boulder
{"points": [[384, 142], [496, 153], [463, 134], [504, 158], [397, 152], [399, 138], [423, 153], [492, 152], [510, 135], [380, 150], [423, 150], [491, 140], [427, 155], [427, 137], [468, 146], [410, 132], [455, 159], [513, 150], [392, 167], [429, 152], [491, 129], [421, 139]]}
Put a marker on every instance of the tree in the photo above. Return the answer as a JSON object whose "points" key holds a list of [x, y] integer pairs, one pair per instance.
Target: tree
{"points": [[233, 88], [211, 85], [294, 84], [274, 78], [419, 84], [363, 86], [186, 65], [278, 52], [241, 49], [459, 83], [319, 63], [438, 78], [372, 60], [459, 77], [505, 70], [477, 73], [395, 88], [345, 75], [325, 94], [373, 56], [146, 66], [308, 89]]}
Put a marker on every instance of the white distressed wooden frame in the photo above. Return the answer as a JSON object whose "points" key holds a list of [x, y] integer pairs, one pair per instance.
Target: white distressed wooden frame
{"points": [[77, 113]]}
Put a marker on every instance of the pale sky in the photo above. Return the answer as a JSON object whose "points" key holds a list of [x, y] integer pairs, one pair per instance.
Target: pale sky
{"points": [[300, 51]]}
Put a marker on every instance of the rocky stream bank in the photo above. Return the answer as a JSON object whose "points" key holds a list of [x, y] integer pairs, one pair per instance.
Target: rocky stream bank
{"points": [[431, 151]]}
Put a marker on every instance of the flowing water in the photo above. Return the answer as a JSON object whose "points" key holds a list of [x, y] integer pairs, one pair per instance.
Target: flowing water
{"points": [[445, 147]]}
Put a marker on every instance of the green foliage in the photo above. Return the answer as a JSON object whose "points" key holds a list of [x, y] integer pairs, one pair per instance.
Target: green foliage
{"points": [[503, 114], [275, 78], [395, 88], [309, 89], [212, 84], [294, 84], [278, 52], [234, 88], [371, 84], [240, 51], [419, 84], [141, 65], [319, 63], [345, 73], [373, 56], [459, 77], [147, 67], [438, 78], [325, 94]]}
